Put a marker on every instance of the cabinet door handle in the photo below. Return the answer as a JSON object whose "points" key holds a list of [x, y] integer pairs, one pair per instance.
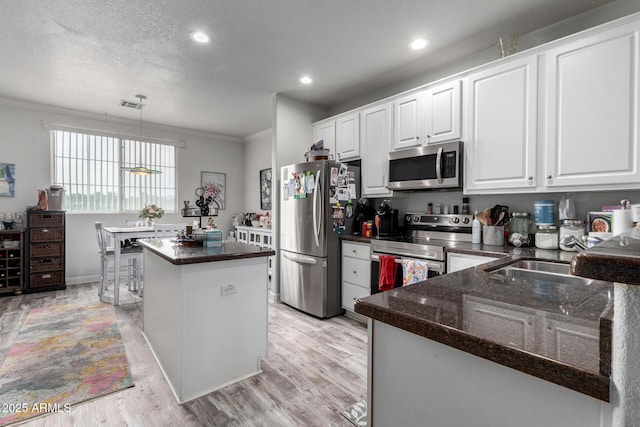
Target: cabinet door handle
{"points": [[530, 178], [549, 176], [355, 273], [417, 137], [354, 251]]}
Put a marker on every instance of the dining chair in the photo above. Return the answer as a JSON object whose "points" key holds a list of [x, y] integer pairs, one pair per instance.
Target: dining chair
{"points": [[133, 256], [134, 223], [168, 230]]}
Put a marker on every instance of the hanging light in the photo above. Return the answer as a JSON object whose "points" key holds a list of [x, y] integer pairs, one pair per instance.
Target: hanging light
{"points": [[141, 170]]}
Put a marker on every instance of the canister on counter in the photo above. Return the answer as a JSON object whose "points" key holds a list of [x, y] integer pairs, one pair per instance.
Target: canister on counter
{"points": [[520, 229], [568, 228], [547, 237], [543, 212]]}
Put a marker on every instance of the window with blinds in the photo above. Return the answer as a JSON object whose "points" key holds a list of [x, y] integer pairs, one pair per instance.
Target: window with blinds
{"points": [[89, 166]]}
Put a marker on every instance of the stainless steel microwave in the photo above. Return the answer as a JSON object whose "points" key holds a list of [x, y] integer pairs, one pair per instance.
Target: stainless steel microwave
{"points": [[430, 167]]}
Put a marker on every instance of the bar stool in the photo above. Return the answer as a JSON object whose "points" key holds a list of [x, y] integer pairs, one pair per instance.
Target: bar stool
{"points": [[133, 255]]}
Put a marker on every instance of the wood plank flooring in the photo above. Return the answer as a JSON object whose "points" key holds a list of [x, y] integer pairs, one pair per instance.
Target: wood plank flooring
{"points": [[314, 370]]}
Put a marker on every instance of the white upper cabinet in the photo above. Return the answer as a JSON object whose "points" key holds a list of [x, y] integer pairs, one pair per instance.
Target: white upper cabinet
{"points": [[443, 113], [375, 125], [408, 116], [500, 115], [428, 116], [348, 137], [592, 112], [325, 130], [341, 135]]}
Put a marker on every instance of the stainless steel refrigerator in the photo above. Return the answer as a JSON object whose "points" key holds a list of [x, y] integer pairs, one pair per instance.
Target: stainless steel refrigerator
{"points": [[309, 243]]}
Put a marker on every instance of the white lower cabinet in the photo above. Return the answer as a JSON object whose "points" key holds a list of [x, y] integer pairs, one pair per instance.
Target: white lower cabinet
{"points": [[456, 262], [569, 342], [356, 273], [503, 323], [550, 334]]}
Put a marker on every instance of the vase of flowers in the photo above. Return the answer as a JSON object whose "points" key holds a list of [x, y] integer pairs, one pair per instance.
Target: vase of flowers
{"points": [[150, 213]]}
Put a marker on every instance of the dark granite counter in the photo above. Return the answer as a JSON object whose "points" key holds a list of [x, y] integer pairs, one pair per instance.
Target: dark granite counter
{"points": [[442, 309], [178, 254], [616, 259], [359, 239]]}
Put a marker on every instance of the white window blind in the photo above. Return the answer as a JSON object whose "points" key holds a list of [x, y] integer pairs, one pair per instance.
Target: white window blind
{"points": [[88, 167]]}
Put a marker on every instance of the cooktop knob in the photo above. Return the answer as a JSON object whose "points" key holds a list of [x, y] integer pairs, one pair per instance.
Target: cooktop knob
{"points": [[416, 218], [465, 220], [455, 220]]}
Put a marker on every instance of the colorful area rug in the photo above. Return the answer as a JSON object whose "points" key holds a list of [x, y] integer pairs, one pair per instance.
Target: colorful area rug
{"points": [[357, 413], [63, 355]]}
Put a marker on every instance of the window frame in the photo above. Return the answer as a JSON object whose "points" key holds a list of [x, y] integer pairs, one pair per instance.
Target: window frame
{"points": [[134, 183]]}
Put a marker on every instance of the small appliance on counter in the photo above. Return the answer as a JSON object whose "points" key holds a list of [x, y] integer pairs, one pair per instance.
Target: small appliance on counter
{"points": [[386, 220], [362, 213]]}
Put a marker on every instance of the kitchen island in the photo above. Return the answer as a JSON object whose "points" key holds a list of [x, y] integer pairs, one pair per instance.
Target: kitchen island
{"points": [[205, 313], [510, 351]]}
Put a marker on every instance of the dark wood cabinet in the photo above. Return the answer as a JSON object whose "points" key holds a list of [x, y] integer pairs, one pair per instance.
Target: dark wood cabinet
{"points": [[45, 249], [11, 261]]}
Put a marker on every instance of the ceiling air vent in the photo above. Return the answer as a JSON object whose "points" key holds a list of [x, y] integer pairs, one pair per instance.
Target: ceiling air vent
{"points": [[132, 104]]}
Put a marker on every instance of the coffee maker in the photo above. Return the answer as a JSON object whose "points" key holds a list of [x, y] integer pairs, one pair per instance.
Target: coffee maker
{"points": [[386, 220], [363, 212]]}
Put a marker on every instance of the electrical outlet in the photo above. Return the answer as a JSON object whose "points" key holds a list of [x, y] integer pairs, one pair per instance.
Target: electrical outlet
{"points": [[228, 289]]}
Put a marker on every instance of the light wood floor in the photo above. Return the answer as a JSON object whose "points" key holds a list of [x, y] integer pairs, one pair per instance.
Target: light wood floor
{"points": [[314, 370]]}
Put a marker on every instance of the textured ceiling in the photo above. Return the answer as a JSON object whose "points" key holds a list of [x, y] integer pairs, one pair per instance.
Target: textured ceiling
{"points": [[89, 54]]}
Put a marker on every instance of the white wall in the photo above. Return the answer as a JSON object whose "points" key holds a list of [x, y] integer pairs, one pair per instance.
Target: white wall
{"points": [[292, 135], [26, 143], [257, 156]]}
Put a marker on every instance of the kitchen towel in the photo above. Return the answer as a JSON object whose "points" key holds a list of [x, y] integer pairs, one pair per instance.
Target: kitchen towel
{"points": [[387, 272], [413, 271]]}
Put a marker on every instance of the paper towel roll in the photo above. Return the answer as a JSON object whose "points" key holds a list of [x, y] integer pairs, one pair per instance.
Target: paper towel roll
{"points": [[622, 220]]}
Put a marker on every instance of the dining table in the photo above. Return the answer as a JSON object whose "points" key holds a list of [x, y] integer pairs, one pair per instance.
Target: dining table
{"points": [[118, 235]]}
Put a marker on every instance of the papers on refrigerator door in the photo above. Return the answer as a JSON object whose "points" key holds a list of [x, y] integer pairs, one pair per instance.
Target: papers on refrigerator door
{"points": [[310, 181]]}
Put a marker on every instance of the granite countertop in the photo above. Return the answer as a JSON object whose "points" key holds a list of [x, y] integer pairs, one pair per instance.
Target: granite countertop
{"points": [[442, 309], [352, 238], [178, 254], [616, 259]]}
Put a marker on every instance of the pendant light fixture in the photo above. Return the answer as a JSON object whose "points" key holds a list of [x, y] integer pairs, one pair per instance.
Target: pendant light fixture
{"points": [[140, 170]]}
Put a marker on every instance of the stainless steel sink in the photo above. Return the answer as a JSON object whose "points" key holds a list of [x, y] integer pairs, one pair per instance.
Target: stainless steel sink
{"points": [[539, 270]]}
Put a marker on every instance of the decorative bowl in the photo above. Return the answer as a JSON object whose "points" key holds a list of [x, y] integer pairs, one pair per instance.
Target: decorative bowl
{"points": [[255, 223]]}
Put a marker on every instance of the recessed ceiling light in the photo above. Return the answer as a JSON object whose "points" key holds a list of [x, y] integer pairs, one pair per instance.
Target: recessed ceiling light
{"points": [[306, 80], [418, 44], [200, 37]]}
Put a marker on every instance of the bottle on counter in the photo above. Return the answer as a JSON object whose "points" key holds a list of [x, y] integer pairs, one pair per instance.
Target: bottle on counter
{"points": [[476, 229], [465, 206]]}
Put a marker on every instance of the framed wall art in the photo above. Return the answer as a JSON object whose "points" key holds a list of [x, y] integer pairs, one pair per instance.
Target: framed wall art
{"points": [[265, 189], [214, 186], [7, 179]]}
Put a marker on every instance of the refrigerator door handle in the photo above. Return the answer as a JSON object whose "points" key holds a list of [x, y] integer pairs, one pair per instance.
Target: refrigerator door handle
{"points": [[300, 258], [316, 195]]}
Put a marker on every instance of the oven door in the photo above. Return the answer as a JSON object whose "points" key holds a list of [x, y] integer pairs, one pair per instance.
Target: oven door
{"points": [[436, 268]]}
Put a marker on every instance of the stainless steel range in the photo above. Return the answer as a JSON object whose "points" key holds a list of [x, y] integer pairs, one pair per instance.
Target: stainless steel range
{"points": [[426, 238]]}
